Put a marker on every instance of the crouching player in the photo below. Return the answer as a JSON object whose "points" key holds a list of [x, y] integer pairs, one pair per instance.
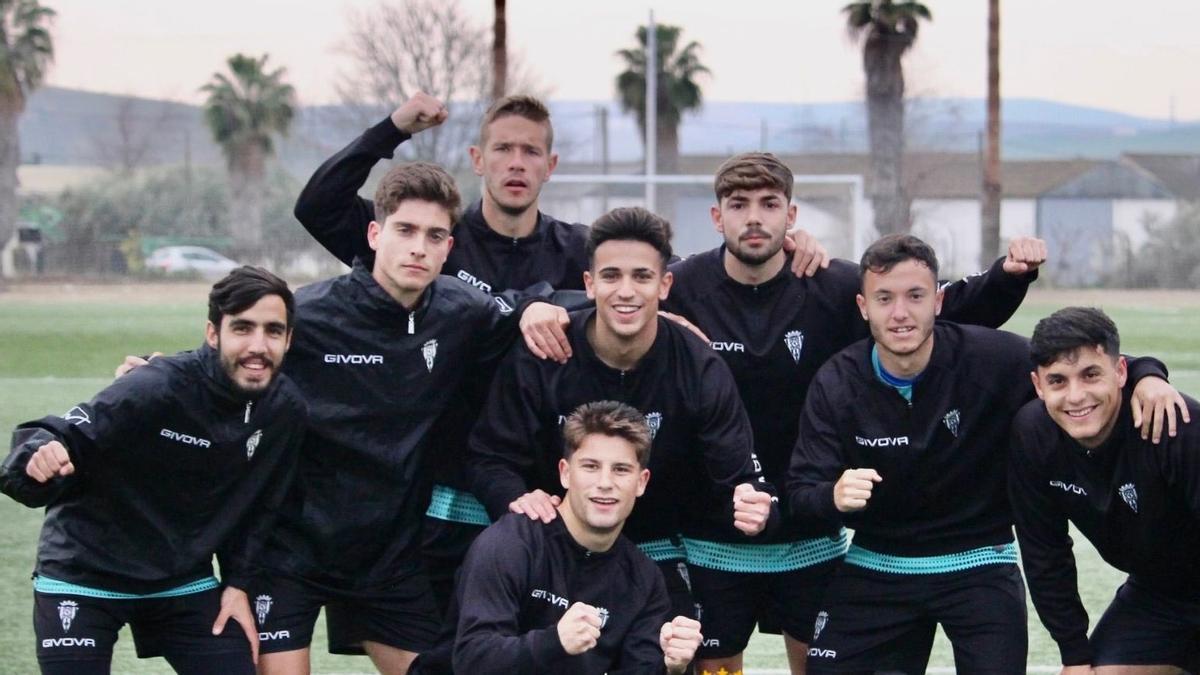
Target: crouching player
{"points": [[183, 459], [1077, 457], [571, 595]]}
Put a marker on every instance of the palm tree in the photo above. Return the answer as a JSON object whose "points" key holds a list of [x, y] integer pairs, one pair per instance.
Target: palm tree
{"points": [[887, 29], [989, 235], [243, 111], [26, 50], [499, 51], [678, 91]]}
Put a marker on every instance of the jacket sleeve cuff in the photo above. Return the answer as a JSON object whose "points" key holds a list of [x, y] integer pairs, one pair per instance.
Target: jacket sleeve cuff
{"points": [[384, 137], [545, 646], [1075, 651]]}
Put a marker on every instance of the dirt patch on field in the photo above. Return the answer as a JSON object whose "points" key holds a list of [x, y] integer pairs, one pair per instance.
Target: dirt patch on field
{"points": [[1115, 298], [138, 293]]}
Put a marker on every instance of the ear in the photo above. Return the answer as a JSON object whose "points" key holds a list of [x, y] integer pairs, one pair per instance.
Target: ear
{"points": [[862, 305], [664, 287], [1037, 384], [587, 286], [714, 212], [937, 300], [476, 159], [449, 244], [288, 343], [643, 479], [551, 164], [1122, 371], [791, 217], [373, 231], [212, 334], [564, 473]]}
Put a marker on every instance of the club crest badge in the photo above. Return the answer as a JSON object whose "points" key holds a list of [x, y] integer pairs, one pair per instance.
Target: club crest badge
{"points": [[794, 340], [67, 610], [603, 616], [429, 351], [654, 421], [252, 443], [77, 415], [262, 607], [822, 619], [1129, 493], [951, 419]]}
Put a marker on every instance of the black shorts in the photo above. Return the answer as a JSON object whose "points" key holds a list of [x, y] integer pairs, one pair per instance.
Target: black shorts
{"points": [[678, 578], [75, 628], [401, 613], [1144, 627], [732, 603], [873, 620], [444, 545]]}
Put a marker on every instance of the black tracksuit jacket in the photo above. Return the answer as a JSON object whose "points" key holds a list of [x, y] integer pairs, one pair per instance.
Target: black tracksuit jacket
{"points": [[172, 465], [774, 337], [552, 257], [702, 447], [518, 580], [1138, 502], [943, 458], [376, 378]]}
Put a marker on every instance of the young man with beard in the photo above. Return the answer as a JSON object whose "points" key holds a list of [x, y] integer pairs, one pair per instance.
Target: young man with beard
{"points": [[774, 329], [707, 481], [186, 458], [904, 438], [571, 595], [1077, 457]]}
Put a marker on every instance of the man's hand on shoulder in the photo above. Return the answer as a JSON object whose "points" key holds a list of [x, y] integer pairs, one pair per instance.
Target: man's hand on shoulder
{"points": [[543, 326], [1154, 401], [808, 255], [537, 505], [132, 362], [419, 113], [679, 639]]}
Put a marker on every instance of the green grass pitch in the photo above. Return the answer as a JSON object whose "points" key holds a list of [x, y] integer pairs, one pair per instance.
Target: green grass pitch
{"points": [[56, 353]]}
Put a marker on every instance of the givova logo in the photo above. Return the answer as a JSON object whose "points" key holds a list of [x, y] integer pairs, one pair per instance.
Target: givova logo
{"points": [[355, 359], [185, 438]]}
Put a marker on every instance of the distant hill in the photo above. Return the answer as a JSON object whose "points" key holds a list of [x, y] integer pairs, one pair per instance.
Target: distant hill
{"points": [[64, 126]]}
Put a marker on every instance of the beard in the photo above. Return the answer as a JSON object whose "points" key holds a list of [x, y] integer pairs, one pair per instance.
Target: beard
{"points": [[754, 258]]}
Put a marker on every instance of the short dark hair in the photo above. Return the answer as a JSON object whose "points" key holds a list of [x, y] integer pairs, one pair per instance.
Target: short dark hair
{"points": [[416, 180], [607, 418], [753, 171], [630, 223], [243, 287], [1065, 331], [518, 105], [893, 249]]}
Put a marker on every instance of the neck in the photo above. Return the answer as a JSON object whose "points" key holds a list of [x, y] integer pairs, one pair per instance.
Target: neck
{"points": [[753, 275], [597, 541], [408, 299], [906, 366], [503, 223], [617, 351]]}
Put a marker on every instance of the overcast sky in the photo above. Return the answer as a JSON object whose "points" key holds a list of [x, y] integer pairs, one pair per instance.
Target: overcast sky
{"points": [[1134, 57]]}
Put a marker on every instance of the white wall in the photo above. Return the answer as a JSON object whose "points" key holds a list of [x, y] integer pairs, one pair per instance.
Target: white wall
{"points": [[1129, 217]]}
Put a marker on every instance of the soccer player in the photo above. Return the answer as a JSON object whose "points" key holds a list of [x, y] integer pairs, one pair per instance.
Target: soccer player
{"points": [[571, 595], [774, 328], [186, 458], [904, 438], [1077, 457], [707, 481]]}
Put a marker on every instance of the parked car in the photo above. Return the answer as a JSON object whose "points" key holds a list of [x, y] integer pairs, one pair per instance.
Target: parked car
{"points": [[197, 260]]}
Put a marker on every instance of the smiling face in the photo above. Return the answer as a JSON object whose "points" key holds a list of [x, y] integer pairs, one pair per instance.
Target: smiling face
{"points": [[1082, 392], [603, 480], [627, 281], [901, 305], [514, 160], [410, 247], [251, 344], [754, 223]]}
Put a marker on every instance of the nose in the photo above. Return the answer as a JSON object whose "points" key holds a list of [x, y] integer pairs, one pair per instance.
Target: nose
{"points": [[605, 480], [1075, 391], [258, 342], [899, 309], [625, 288]]}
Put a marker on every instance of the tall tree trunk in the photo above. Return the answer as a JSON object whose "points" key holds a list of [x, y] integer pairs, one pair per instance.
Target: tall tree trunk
{"points": [[885, 122], [10, 158], [499, 51], [989, 217], [668, 146], [247, 173]]}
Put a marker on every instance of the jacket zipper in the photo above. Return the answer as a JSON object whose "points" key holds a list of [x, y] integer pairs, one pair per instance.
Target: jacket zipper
{"points": [[412, 322], [246, 418]]}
